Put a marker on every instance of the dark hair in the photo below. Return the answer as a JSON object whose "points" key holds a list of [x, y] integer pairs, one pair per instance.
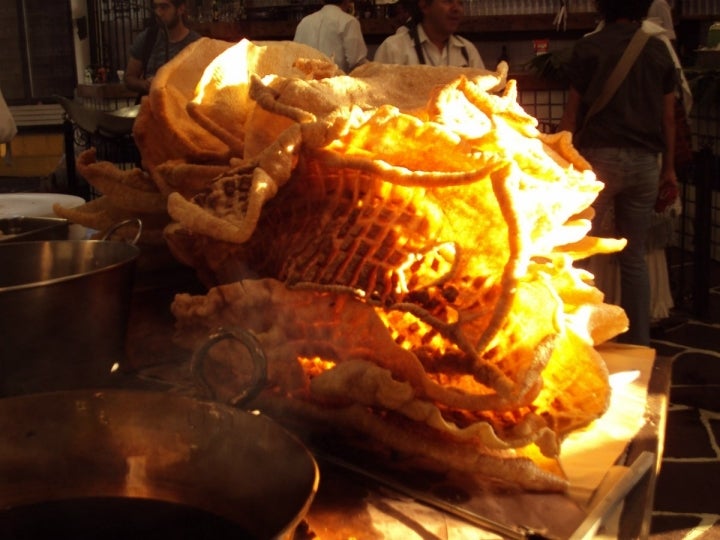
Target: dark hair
{"points": [[413, 8], [612, 10]]}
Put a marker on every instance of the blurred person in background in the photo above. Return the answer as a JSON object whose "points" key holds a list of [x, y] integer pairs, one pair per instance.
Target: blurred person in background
{"points": [[401, 14], [157, 44], [8, 130], [333, 31], [660, 13], [431, 38], [622, 142]]}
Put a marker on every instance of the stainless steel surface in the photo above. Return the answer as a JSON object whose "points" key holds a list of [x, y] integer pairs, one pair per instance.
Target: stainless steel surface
{"points": [[23, 229], [123, 443], [64, 307], [509, 532]]}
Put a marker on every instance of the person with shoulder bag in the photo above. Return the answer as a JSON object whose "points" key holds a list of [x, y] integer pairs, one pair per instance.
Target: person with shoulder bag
{"points": [[430, 38], [158, 44], [621, 110]]}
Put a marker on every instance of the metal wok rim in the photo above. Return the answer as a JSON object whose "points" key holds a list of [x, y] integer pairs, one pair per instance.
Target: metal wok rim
{"points": [[184, 408], [132, 253]]}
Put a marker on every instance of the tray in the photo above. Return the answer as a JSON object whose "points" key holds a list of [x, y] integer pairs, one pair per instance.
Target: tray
{"points": [[20, 229]]}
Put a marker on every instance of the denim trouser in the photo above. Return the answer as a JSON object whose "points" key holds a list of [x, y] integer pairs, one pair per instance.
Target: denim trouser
{"points": [[631, 186]]}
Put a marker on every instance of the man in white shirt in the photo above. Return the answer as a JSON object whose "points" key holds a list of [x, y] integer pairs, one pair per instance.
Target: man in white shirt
{"points": [[432, 40], [334, 32]]}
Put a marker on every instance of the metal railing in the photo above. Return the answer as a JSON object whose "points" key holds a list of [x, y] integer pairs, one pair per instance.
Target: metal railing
{"points": [[112, 25]]}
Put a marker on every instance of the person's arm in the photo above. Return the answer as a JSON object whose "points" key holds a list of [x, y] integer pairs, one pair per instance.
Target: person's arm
{"points": [[133, 77], [354, 45], [568, 122], [382, 53], [390, 51], [667, 168]]}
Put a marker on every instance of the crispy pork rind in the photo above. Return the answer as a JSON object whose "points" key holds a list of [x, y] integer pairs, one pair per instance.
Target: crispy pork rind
{"points": [[222, 92], [163, 129], [437, 236], [401, 240], [126, 194], [361, 367]]}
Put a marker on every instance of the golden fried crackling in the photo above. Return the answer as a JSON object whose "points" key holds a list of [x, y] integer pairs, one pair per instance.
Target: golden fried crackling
{"points": [[292, 323], [317, 68], [373, 223], [188, 179], [559, 146], [214, 262], [222, 92], [508, 468], [330, 101], [362, 366], [599, 322], [347, 333], [230, 208], [95, 214], [163, 129], [99, 214], [395, 231], [130, 190], [575, 385]]}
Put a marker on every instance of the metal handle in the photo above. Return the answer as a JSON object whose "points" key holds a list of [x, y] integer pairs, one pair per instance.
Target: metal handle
{"points": [[258, 378], [118, 225]]}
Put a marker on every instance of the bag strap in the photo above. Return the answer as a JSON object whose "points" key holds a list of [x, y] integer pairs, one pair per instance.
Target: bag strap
{"points": [[148, 47], [416, 42], [149, 44], [619, 72]]}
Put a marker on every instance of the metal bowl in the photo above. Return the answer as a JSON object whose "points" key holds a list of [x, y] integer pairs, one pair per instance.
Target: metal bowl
{"points": [[82, 455], [64, 307]]}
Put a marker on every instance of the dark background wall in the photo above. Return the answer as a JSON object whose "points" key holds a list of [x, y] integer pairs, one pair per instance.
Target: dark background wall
{"points": [[37, 57]]}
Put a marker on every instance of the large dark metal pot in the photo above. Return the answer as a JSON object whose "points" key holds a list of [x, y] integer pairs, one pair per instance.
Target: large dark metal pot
{"points": [[89, 463], [64, 308]]}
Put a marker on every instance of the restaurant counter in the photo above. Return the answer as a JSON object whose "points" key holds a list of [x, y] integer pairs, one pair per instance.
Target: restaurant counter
{"points": [[369, 497], [105, 96]]}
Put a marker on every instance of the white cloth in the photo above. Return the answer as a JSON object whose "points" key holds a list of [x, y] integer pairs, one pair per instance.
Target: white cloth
{"points": [[400, 49], [606, 270], [661, 300], [660, 13], [658, 31], [334, 33]]}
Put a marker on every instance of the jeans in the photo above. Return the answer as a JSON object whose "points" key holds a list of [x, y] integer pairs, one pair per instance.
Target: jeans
{"points": [[631, 186]]}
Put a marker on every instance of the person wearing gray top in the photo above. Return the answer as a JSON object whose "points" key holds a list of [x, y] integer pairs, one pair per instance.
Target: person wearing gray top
{"points": [[170, 36], [622, 142]]}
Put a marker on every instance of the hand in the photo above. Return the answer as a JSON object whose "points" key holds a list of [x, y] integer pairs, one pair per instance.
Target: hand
{"points": [[668, 191], [668, 176]]}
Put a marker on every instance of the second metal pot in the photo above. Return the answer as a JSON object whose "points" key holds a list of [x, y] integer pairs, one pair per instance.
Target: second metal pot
{"points": [[64, 307]]}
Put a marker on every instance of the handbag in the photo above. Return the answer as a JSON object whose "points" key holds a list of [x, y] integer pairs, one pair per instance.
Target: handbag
{"points": [[8, 128]]}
